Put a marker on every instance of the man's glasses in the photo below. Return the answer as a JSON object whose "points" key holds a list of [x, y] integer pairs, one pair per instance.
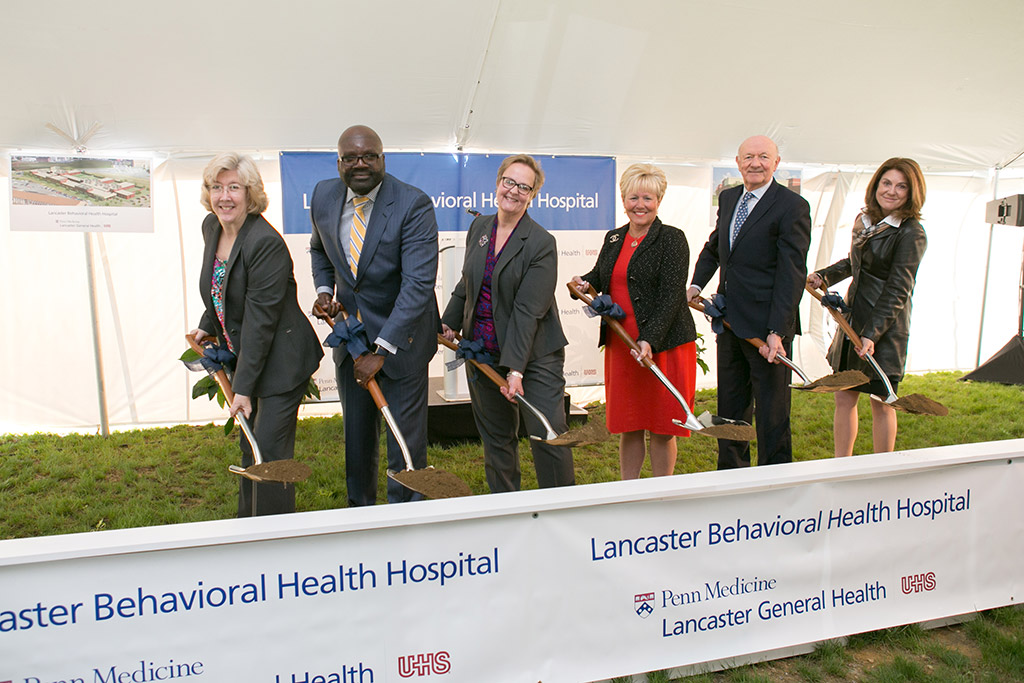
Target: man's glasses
{"points": [[353, 159]]}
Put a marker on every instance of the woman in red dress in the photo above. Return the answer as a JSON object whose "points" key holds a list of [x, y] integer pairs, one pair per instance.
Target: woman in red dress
{"points": [[643, 266]]}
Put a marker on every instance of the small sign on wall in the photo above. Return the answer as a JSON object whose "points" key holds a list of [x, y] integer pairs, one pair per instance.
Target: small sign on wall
{"points": [[61, 193]]}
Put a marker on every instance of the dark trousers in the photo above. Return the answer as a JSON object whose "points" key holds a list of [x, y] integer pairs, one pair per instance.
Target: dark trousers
{"points": [[750, 387], [273, 421], [497, 421], [407, 401]]}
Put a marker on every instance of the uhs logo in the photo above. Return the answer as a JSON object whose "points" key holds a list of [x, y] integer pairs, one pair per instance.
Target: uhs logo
{"points": [[424, 664], [915, 583]]}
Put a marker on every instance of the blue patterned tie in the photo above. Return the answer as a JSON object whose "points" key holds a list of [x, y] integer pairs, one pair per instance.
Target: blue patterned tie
{"points": [[741, 217]]}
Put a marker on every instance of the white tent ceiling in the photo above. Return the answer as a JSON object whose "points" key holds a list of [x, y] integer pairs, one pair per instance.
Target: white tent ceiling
{"points": [[834, 83]]}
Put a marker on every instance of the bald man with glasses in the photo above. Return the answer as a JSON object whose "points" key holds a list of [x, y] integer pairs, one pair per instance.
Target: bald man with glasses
{"points": [[374, 251]]}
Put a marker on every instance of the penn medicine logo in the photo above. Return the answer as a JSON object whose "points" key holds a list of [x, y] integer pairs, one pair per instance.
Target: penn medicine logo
{"points": [[916, 583], [643, 604]]}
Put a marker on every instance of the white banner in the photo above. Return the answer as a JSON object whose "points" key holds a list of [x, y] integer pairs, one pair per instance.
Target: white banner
{"points": [[555, 585]]}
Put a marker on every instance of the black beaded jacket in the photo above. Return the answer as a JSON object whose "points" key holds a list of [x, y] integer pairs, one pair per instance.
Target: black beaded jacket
{"points": [[656, 278]]}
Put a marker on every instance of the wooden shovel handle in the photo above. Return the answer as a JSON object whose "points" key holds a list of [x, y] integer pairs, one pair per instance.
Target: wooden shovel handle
{"points": [[220, 376], [588, 298], [839, 317], [490, 372], [371, 385]]}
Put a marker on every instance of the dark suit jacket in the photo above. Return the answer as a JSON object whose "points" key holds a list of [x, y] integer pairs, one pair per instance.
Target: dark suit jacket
{"points": [[276, 346], [656, 278], [394, 288], [884, 270], [522, 291], [762, 276]]}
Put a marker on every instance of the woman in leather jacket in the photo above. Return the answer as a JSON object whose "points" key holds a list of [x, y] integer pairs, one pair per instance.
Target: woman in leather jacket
{"points": [[887, 247]]}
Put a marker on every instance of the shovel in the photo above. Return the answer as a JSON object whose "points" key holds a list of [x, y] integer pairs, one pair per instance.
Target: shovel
{"points": [[912, 403], [569, 438], [707, 424], [837, 381], [428, 482], [283, 471]]}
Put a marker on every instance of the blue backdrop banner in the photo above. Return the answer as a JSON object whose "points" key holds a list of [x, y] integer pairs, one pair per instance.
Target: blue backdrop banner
{"points": [[578, 192]]}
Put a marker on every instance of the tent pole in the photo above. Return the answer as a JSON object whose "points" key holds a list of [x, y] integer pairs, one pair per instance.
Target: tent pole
{"points": [[100, 384], [984, 296], [984, 285], [118, 330], [1020, 298]]}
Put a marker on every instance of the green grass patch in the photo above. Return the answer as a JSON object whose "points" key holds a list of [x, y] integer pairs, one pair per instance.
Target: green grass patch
{"points": [[999, 635]]}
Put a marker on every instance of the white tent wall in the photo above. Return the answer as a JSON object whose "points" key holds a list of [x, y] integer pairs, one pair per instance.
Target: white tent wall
{"points": [[657, 80], [152, 297]]}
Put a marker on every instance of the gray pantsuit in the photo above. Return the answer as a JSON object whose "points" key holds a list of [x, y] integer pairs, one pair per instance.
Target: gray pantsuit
{"points": [[497, 420], [531, 340]]}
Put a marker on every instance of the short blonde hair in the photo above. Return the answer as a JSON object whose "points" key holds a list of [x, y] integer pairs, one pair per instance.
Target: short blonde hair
{"points": [[526, 160], [644, 177], [247, 171]]}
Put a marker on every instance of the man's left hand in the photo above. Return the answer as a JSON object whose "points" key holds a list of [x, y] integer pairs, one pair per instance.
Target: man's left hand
{"points": [[366, 366], [773, 348]]}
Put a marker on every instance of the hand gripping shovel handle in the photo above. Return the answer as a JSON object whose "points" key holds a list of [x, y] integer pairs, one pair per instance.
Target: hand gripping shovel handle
{"points": [[692, 423], [855, 339], [492, 375], [374, 389], [224, 383], [758, 343]]}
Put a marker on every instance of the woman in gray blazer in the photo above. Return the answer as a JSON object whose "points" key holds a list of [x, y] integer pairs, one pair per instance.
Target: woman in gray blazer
{"points": [[505, 303], [248, 290], [888, 245]]}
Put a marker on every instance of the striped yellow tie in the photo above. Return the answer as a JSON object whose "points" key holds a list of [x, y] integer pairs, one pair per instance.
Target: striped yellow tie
{"points": [[358, 233]]}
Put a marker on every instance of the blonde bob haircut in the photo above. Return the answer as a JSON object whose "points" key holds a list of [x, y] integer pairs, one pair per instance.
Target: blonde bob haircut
{"points": [[247, 172], [526, 160], [643, 178]]}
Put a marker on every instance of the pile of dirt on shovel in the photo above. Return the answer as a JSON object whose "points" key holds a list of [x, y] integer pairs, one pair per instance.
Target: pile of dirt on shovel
{"points": [[728, 431], [594, 431], [921, 405], [433, 483], [847, 379], [280, 470]]}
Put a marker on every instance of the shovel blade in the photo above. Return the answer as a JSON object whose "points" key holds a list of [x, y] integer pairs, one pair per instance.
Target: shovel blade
{"points": [[594, 431], [915, 404], [431, 483], [837, 381], [720, 427]]}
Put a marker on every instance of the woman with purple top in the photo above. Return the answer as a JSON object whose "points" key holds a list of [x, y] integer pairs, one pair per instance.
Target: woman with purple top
{"points": [[505, 305]]}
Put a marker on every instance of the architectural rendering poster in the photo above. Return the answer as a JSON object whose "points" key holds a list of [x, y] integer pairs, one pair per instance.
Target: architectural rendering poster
{"points": [[80, 194]]}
